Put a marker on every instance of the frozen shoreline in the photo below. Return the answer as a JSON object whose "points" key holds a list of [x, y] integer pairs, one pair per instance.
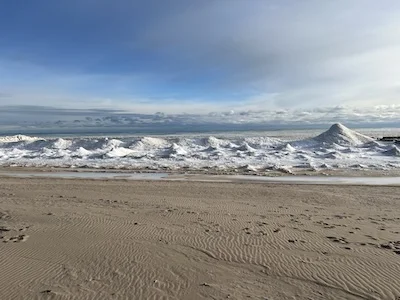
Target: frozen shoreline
{"points": [[336, 149], [299, 179]]}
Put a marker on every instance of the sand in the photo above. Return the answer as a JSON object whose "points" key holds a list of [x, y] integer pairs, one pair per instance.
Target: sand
{"points": [[110, 239]]}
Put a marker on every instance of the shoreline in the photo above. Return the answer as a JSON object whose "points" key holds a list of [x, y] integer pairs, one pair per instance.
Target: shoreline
{"points": [[352, 178]]}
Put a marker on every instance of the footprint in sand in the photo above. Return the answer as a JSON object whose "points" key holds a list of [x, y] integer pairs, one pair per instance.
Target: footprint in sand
{"points": [[371, 237], [16, 239], [394, 245], [4, 216], [4, 229], [341, 240]]}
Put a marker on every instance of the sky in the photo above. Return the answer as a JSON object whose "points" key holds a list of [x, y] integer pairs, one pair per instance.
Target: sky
{"points": [[200, 57]]}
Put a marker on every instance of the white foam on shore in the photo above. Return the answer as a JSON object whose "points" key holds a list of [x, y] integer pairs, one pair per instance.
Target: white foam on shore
{"points": [[337, 148]]}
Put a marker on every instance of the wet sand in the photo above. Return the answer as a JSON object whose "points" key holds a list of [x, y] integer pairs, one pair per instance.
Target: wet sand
{"points": [[119, 239]]}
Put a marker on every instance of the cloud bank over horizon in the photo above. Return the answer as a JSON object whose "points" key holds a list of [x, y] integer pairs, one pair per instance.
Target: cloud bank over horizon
{"points": [[275, 59], [36, 118]]}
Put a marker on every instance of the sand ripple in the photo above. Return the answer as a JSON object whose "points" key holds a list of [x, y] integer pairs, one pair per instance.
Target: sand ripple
{"points": [[77, 239]]}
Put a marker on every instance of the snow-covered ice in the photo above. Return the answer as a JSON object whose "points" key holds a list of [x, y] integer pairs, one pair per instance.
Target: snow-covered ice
{"points": [[337, 148]]}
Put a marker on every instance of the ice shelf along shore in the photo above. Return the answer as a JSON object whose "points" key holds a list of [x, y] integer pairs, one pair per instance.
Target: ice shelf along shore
{"points": [[337, 148]]}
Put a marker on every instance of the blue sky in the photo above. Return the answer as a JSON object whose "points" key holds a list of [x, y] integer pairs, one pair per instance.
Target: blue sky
{"points": [[199, 56]]}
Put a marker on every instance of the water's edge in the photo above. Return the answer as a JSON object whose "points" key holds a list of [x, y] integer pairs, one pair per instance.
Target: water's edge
{"points": [[105, 175]]}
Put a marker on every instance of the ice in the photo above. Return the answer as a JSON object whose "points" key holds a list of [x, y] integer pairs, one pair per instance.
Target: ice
{"points": [[337, 148], [341, 135], [394, 151], [119, 152], [288, 148], [175, 150], [18, 138], [62, 144]]}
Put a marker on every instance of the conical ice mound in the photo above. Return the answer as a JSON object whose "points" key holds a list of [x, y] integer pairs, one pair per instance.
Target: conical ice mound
{"points": [[341, 135]]}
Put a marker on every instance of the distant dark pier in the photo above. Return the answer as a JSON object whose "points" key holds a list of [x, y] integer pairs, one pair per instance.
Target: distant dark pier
{"points": [[394, 139]]}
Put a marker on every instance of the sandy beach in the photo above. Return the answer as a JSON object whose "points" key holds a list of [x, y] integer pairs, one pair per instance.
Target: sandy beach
{"points": [[118, 239]]}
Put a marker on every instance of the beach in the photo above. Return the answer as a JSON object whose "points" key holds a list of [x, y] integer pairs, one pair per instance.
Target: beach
{"points": [[140, 239]]}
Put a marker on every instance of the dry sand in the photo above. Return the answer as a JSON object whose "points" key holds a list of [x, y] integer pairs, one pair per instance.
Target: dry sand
{"points": [[98, 239]]}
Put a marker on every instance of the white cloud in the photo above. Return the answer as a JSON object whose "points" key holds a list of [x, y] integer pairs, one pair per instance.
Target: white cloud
{"points": [[381, 115], [304, 51], [285, 54]]}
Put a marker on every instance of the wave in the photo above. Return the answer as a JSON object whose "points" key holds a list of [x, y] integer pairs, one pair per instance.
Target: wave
{"points": [[338, 147]]}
